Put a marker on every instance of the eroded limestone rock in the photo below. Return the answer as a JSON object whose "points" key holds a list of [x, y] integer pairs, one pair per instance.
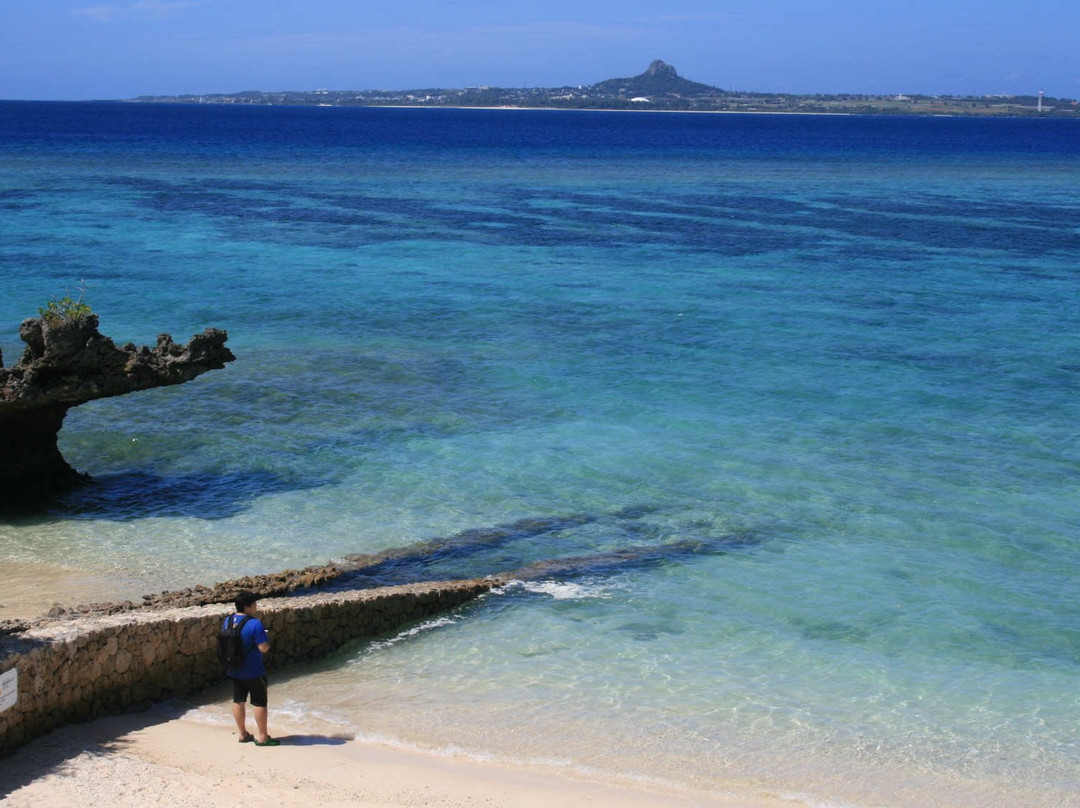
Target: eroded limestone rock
{"points": [[67, 362]]}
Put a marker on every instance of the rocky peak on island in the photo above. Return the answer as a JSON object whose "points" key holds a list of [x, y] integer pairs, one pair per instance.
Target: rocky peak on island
{"points": [[660, 80], [68, 362], [661, 68]]}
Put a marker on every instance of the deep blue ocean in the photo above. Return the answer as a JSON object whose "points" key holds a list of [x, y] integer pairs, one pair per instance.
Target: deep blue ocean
{"points": [[814, 381]]}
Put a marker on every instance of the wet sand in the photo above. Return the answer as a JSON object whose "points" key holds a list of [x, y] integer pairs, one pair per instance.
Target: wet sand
{"points": [[152, 759]]}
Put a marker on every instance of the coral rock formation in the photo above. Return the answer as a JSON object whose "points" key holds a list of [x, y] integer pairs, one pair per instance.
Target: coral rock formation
{"points": [[67, 362]]}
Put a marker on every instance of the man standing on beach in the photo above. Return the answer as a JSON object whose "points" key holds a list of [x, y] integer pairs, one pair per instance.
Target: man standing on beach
{"points": [[250, 678]]}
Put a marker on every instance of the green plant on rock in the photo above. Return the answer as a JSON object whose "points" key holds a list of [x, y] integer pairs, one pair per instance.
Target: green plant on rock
{"points": [[66, 309]]}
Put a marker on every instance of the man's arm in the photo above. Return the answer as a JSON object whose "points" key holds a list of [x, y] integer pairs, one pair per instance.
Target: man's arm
{"points": [[262, 639]]}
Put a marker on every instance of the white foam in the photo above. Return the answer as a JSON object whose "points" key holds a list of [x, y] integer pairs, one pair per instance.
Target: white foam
{"points": [[427, 625], [812, 802], [565, 591], [216, 715]]}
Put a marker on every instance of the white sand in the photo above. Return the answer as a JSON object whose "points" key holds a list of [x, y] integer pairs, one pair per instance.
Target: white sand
{"points": [[155, 759], [147, 759]]}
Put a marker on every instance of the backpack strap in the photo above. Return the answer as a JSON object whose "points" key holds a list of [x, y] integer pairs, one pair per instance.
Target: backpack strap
{"points": [[240, 627]]}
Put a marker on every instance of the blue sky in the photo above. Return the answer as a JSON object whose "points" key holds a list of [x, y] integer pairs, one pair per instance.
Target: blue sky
{"points": [[77, 49]]}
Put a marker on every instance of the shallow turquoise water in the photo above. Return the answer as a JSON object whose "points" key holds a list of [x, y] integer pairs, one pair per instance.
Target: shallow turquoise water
{"points": [[835, 356]]}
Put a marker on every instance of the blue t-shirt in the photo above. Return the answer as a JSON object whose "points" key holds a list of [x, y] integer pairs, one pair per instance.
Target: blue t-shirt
{"points": [[253, 635]]}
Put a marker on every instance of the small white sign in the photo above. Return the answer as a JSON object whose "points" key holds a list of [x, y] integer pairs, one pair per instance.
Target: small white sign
{"points": [[9, 689]]}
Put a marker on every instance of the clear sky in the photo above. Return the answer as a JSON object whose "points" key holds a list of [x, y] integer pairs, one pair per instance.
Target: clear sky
{"points": [[79, 49]]}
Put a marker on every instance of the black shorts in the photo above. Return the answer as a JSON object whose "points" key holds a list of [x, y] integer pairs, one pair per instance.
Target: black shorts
{"points": [[241, 688]]}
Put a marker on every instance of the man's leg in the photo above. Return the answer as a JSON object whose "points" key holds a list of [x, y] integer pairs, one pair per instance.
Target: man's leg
{"points": [[240, 695], [259, 700], [260, 724], [240, 716]]}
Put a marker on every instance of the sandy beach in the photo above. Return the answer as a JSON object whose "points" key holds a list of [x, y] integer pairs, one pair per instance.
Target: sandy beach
{"points": [[151, 758], [188, 755]]}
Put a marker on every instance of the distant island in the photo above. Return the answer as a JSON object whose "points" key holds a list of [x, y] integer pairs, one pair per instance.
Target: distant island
{"points": [[660, 88]]}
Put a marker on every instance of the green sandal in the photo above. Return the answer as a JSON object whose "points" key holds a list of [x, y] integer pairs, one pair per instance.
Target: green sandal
{"points": [[268, 742]]}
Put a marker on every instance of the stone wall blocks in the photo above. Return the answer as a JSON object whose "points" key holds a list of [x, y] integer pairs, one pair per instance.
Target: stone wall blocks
{"points": [[123, 661], [100, 666], [148, 652]]}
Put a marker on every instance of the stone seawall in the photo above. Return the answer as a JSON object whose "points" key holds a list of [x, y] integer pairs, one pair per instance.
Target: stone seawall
{"points": [[74, 670]]}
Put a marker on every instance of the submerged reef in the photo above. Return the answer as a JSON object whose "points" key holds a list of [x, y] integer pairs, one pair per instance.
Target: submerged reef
{"points": [[67, 362]]}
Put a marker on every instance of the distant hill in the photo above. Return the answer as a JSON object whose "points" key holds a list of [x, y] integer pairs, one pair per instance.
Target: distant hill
{"points": [[660, 80], [660, 87]]}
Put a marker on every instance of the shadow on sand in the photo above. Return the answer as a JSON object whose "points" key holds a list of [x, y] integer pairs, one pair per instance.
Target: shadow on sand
{"points": [[57, 752], [50, 753]]}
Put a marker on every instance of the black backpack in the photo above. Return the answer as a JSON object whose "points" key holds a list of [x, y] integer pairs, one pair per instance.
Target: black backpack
{"points": [[230, 643]]}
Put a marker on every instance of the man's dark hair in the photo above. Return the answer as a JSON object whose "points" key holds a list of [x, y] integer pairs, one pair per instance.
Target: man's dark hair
{"points": [[245, 599]]}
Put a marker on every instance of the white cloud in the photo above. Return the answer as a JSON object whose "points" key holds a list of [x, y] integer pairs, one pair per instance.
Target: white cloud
{"points": [[164, 6], [138, 10], [687, 18], [99, 13]]}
